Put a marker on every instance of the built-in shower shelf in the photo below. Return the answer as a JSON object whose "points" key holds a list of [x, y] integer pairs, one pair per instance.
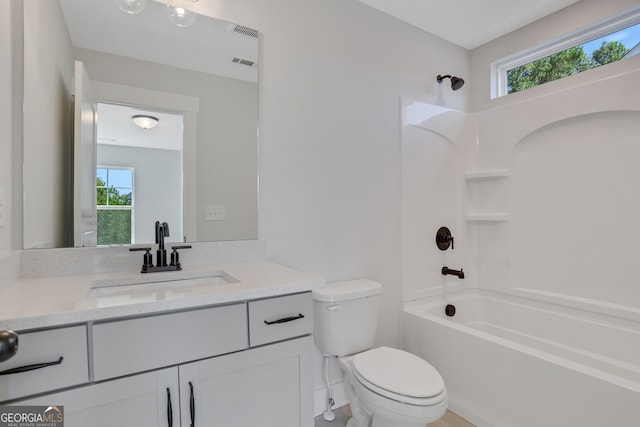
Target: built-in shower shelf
{"points": [[487, 217], [486, 174]]}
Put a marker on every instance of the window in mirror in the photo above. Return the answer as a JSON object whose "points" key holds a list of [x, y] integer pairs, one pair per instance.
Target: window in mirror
{"points": [[114, 205]]}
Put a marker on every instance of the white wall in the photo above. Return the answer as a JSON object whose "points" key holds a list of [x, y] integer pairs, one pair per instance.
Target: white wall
{"points": [[6, 124], [48, 72], [11, 58]]}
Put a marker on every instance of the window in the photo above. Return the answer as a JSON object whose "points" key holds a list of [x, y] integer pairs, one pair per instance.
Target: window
{"points": [[115, 205], [591, 48]]}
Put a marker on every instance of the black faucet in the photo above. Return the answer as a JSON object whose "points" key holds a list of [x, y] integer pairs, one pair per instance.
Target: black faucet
{"points": [[447, 270], [162, 231]]}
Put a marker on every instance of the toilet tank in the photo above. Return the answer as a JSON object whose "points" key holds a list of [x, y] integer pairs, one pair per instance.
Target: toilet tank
{"points": [[345, 316]]}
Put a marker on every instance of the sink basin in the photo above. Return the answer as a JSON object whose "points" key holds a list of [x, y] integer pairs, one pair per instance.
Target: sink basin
{"points": [[159, 282]]}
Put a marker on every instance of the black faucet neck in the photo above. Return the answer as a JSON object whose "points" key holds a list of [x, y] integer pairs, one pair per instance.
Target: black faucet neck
{"points": [[162, 231]]}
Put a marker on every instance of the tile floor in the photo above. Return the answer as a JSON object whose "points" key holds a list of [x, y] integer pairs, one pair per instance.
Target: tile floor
{"points": [[449, 419]]}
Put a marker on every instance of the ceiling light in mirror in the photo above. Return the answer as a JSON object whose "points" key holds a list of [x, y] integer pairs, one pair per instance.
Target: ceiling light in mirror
{"points": [[131, 6], [180, 16], [144, 121]]}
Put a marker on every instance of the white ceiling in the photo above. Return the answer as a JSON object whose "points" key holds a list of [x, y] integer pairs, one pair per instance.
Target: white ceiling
{"points": [[208, 45], [469, 23], [116, 127]]}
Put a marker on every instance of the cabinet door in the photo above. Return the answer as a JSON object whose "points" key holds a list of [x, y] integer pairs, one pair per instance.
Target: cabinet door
{"points": [[136, 401], [266, 386]]}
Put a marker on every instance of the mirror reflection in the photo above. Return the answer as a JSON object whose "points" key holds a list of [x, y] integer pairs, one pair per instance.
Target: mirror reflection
{"points": [[196, 169], [138, 152]]}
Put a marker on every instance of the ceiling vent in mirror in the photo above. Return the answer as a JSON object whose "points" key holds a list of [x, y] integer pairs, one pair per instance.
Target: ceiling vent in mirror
{"points": [[241, 61], [250, 32]]}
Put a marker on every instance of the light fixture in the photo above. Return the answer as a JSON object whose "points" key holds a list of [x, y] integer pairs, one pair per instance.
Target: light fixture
{"points": [[131, 6], [181, 16], [145, 122]]}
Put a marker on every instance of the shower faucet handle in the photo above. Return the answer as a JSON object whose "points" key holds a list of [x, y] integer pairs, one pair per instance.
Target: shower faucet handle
{"points": [[444, 239]]}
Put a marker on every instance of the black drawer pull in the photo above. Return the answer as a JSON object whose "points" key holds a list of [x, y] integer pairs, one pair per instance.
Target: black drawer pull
{"points": [[28, 368], [169, 409], [285, 320], [192, 405]]}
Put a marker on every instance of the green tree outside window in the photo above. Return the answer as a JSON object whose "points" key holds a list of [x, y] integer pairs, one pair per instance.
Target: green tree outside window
{"points": [[562, 64], [114, 204]]}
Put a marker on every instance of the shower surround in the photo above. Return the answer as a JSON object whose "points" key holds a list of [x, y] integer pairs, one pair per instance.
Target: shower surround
{"points": [[542, 196]]}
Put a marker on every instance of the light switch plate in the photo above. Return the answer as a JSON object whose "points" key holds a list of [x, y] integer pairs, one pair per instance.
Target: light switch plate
{"points": [[215, 213]]}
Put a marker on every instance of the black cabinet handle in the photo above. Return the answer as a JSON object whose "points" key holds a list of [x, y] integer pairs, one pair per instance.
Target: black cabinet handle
{"points": [[285, 320], [169, 409], [33, 367], [192, 405]]}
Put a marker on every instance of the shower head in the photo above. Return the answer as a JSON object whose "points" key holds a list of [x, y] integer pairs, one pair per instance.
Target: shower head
{"points": [[456, 82]]}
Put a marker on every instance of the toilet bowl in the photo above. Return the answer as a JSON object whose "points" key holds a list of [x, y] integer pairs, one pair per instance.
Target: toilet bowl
{"points": [[395, 388], [386, 387]]}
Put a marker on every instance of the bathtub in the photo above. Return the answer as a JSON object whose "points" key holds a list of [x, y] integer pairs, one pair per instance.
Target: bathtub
{"points": [[516, 362]]}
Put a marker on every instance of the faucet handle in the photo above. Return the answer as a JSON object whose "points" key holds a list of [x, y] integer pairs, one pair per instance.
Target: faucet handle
{"points": [[139, 248], [175, 256], [181, 247], [444, 239], [147, 258]]}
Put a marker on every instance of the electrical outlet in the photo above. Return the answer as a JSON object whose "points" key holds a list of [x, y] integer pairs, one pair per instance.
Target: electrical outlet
{"points": [[214, 213]]}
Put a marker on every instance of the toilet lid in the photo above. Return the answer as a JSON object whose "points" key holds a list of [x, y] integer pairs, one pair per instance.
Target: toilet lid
{"points": [[398, 372]]}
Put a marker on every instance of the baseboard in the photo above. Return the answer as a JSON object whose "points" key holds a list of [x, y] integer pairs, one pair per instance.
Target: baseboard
{"points": [[320, 398]]}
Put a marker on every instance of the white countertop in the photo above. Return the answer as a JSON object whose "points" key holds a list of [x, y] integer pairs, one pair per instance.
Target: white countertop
{"points": [[31, 303]]}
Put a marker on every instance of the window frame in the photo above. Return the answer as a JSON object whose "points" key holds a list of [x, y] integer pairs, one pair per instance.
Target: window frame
{"points": [[130, 207], [579, 37]]}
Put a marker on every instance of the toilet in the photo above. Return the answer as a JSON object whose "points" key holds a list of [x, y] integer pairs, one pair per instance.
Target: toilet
{"points": [[386, 387]]}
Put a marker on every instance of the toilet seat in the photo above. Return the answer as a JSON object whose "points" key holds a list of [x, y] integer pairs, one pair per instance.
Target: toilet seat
{"points": [[399, 376]]}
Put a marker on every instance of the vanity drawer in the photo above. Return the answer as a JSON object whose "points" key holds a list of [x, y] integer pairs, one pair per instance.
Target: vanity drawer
{"points": [[68, 346], [140, 344], [280, 318]]}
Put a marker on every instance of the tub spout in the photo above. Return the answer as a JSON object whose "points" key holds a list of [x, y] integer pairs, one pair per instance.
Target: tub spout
{"points": [[447, 270]]}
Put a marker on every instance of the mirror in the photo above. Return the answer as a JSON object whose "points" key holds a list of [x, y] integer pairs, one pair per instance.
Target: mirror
{"points": [[206, 74]]}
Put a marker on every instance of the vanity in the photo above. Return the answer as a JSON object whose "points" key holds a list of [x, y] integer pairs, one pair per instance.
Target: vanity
{"points": [[238, 352]]}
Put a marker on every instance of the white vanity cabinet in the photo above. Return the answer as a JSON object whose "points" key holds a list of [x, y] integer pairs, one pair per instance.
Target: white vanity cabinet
{"points": [[244, 364], [268, 387]]}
